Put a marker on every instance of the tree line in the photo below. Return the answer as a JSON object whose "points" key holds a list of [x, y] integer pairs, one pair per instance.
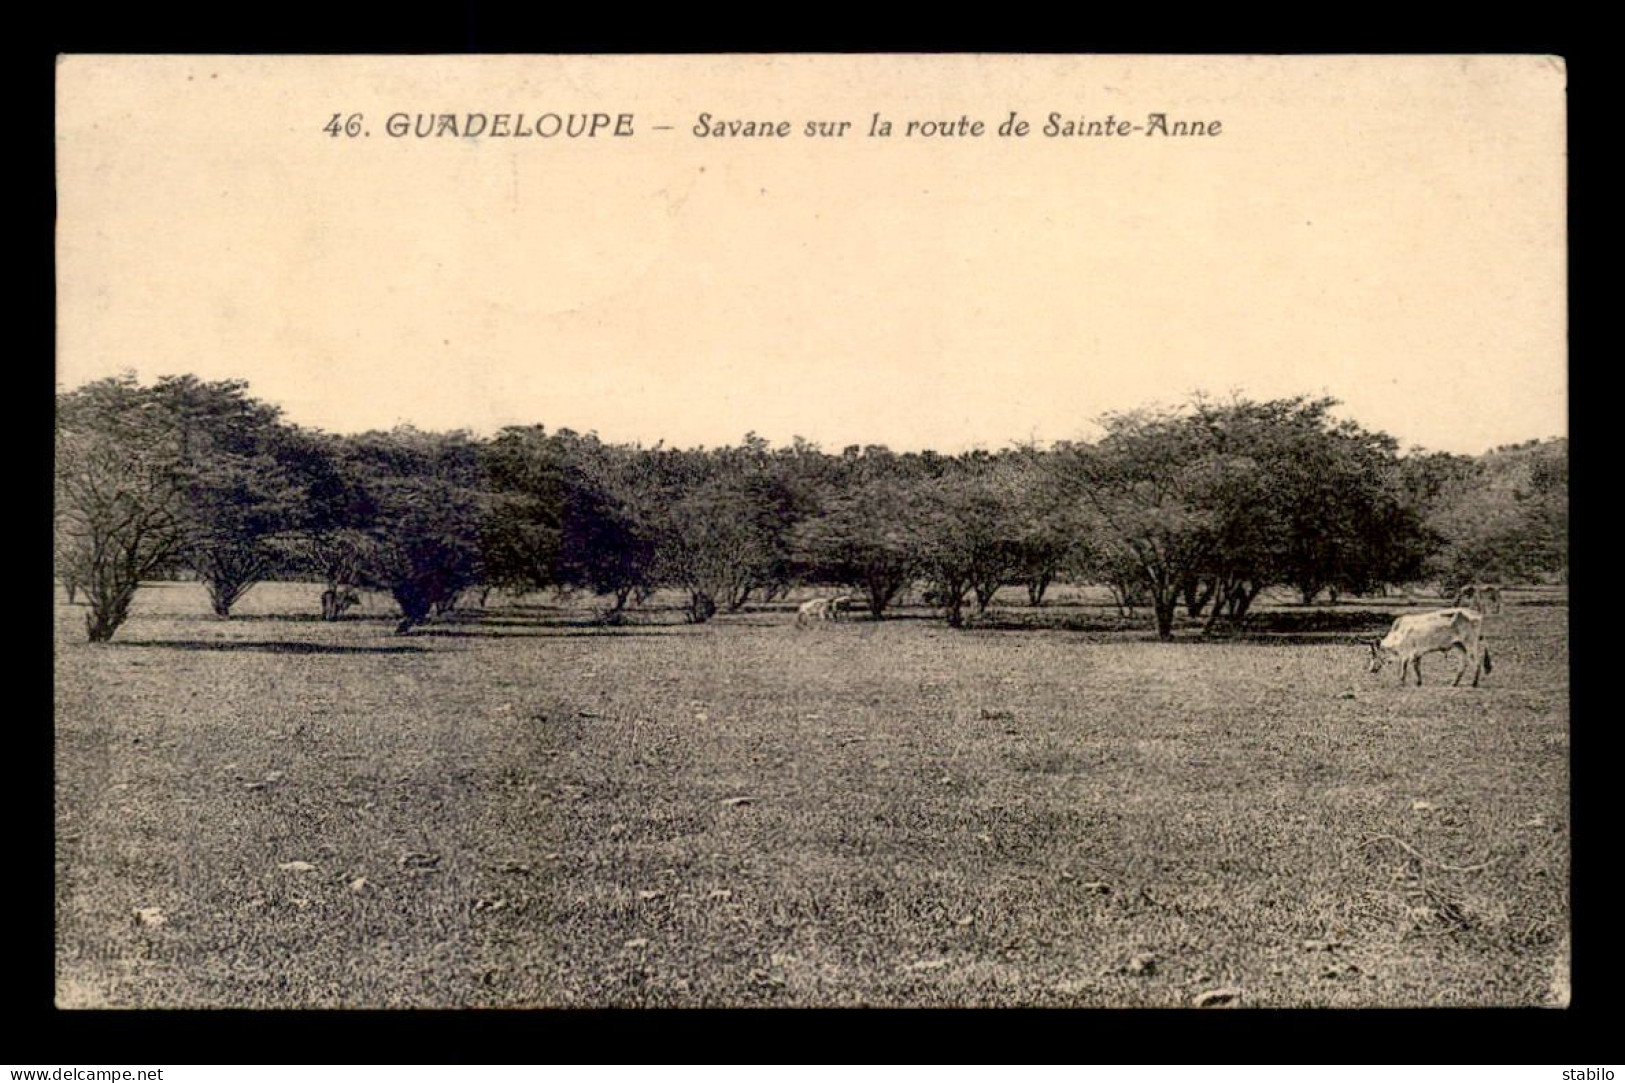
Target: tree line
{"points": [[1200, 507]]}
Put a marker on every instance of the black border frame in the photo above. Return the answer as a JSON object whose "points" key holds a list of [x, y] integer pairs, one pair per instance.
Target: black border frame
{"points": [[42, 1035]]}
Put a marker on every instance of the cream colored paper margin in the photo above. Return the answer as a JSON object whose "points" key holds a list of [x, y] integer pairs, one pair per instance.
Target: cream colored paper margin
{"points": [[1386, 230]]}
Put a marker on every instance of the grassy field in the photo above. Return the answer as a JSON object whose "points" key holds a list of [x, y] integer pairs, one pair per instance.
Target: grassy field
{"points": [[519, 808]]}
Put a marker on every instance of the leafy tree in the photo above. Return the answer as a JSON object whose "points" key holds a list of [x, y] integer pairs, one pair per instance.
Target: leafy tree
{"points": [[426, 547], [1329, 509], [426, 509], [1216, 503], [340, 555], [120, 495], [863, 539], [238, 496], [707, 547], [720, 523], [605, 548], [521, 535], [608, 532], [65, 563], [1046, 538], [235, 508], [329, 534], [1148, 496], [966, 538], [772, 501], [1094, 560], [1504, 516]]}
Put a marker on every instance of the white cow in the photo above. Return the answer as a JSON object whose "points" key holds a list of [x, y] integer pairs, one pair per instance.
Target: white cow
{"points": [[1479, 596], [1443, 630], [813, 609]]}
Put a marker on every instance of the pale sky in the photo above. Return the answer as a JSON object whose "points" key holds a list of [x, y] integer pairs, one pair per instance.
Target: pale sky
{"points": [[1388, 231]]}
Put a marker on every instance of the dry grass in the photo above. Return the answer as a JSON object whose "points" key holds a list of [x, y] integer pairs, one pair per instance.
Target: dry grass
{"points": [[526, 810]]}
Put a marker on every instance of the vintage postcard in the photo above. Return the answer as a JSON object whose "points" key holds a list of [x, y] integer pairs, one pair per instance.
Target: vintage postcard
{"points": [[811, 531]]}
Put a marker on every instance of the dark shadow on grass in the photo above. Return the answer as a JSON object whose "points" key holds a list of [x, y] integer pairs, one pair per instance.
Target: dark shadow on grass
{"points": [[1298, 622], [657, 630], [552, 631], [577, 621], [265, 646], [1279, 627], [895, 614], [1289, 639], [1057, 622], [285, 618], [523, 608]]}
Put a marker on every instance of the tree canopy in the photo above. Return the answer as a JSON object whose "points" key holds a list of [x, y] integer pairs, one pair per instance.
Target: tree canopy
{"points": [[1202, 506]]}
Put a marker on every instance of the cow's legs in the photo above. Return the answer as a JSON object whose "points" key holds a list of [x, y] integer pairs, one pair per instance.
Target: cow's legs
{"points": [[1478, 665], [1404, 669], [1461, 671], [1416, 666]]}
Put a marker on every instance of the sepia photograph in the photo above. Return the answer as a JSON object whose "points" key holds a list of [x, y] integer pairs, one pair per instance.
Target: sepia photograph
{"points": [[811, 531]]}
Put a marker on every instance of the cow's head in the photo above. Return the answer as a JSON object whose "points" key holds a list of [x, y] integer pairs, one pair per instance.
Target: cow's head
{"points": [[1379, 656]]}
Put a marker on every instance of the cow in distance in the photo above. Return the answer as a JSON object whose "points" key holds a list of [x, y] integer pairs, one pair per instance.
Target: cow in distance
{"points": [[814, 609], [1479, 596]]}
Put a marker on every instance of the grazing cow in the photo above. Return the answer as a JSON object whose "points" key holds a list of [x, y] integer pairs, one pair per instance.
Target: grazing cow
{"points": [[837, 606], [1443, 630], [811, 610], [1479, 596]]}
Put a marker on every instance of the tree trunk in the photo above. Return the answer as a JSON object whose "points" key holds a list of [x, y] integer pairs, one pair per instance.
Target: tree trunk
{"points": [[108, 609], [701, 607], [1245, 601], [949, 596], [225, 590], [414, 605], [1196, 597], [1165, 607], [336, 599], [1224, 590], [1237, 600], [1036, 587], [883, 587]]}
